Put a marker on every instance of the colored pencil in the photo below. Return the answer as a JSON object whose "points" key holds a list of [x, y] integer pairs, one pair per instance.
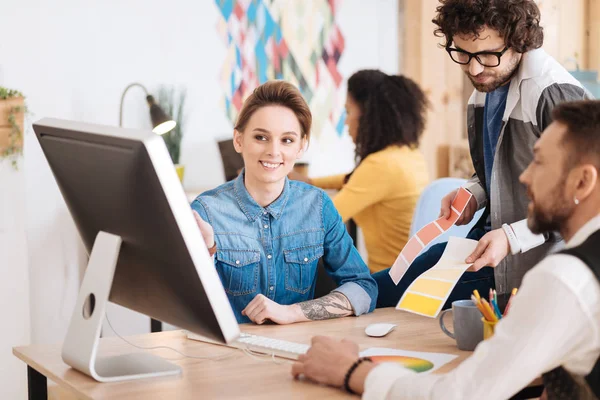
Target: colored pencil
{"points": [[488, 308], [486, 312], [478, 305], [496, 309], [514, 292]]}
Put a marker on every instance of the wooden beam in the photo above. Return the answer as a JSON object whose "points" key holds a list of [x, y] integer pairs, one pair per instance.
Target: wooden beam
{"points": [[549, 10], [593, 34], [412, 39], [572, 35], [565, 31], [440, 78]]}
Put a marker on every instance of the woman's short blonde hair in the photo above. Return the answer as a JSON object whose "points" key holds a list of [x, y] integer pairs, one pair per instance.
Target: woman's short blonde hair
{"points": [[277, 93]]}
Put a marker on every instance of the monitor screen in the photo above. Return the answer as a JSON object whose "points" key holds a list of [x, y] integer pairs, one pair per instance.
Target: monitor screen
{"points": [[122, 181]]}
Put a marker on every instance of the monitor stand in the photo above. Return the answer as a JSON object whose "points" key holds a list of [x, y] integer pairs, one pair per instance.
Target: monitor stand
{"points": [[81, 343]]}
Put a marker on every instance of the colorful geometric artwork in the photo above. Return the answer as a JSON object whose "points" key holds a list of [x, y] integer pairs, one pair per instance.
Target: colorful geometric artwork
{"points": [[297, 41]]}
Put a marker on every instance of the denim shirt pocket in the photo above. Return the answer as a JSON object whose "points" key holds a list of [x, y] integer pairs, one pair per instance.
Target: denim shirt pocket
{"points": [[301, 267], [238, 270]]}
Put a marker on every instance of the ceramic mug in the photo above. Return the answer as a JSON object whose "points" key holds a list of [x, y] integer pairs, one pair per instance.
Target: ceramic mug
{"points": [[468, 328]]}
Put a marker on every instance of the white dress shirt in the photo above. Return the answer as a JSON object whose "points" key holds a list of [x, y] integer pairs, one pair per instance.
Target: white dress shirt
{"points": [[554, 320]]}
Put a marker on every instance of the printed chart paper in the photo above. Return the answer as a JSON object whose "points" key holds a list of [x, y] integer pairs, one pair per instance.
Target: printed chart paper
{"points": [[427, 234], [415, 360], [428, 293]]}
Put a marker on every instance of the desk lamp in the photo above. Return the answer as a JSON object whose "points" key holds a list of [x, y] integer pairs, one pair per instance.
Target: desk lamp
{"points": [[161, 122]]}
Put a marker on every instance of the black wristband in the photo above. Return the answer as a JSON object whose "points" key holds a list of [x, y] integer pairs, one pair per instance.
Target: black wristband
{"points": [[351, 371]]}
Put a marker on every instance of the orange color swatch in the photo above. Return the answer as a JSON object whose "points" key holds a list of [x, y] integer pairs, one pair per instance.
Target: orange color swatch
{"points": [[446, 224], [427, 234], [461, 200]]}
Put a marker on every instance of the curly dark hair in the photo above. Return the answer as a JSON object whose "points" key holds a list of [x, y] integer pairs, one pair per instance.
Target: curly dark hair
{"points": [[517, 21], [393, 111]]}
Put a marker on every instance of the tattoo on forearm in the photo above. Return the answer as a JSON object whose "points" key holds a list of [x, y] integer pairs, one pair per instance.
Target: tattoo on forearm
{"points": [[334, 305]]}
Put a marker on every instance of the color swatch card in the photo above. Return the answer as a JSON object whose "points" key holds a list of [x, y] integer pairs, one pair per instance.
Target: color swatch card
{"points": [[428, 293], [415, 360], [427, 234]]}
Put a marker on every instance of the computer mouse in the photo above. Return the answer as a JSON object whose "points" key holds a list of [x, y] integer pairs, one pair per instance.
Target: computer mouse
{"points": [[379, 330]]}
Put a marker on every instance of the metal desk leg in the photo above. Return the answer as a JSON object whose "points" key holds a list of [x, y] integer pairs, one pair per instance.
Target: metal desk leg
{"points": [[37, 385], [155, 325]]}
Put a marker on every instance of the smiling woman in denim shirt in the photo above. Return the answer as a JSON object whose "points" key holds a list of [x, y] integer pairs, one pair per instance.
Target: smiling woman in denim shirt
{"points": [[267, 233]]}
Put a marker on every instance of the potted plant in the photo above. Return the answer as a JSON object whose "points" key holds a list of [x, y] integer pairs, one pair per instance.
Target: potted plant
{"points": [[12, 119], [172, 101]]}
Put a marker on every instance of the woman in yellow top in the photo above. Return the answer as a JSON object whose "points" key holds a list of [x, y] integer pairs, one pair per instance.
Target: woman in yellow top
{"points": [[385, 118]]}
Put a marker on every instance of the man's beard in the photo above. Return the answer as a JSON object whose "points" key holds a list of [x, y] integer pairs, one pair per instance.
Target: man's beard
{"points": [[553, 219], [503, 78]]}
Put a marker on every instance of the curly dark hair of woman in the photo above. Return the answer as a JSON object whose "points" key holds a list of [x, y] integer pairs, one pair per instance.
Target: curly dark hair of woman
{"points": [[393, 111], [517, 21]]}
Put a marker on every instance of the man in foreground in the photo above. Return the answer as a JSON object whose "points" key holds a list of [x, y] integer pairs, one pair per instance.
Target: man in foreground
{"points": [[553, 328]]}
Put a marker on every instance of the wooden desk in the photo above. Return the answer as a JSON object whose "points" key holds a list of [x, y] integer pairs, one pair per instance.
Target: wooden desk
{"points": [[239, 375]]}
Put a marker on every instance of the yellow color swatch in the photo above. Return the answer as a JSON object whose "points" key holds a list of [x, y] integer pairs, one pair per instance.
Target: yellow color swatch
{"points": [[431, 287], [449, 274], [420, 304]]}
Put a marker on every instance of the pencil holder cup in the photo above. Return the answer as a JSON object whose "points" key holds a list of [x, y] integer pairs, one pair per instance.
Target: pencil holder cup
{"points": [[488, 328]]}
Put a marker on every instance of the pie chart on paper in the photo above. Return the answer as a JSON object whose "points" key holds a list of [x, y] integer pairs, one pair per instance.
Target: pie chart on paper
{"points": [[417, 361], [416, 364]]}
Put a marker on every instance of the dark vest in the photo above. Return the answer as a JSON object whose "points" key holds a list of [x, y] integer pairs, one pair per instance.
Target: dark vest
{"points": [[559, 383]]}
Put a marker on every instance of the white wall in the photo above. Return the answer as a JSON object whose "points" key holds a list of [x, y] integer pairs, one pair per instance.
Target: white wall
{"points": [[72, 59], [14, 282]]}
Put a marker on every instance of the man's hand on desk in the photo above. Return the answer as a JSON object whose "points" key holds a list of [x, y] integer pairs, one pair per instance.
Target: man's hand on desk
{"points": [[327, 362], [261, 309], [206, 230]]}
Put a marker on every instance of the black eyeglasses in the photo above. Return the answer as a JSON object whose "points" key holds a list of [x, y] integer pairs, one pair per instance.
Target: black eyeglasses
{"points": [[485, 58]]}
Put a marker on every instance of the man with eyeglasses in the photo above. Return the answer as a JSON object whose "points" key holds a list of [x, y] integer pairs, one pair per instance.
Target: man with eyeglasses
{"points": [[497, 43]]}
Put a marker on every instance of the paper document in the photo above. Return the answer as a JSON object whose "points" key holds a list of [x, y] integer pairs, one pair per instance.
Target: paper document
{"points": [[427, 234], [428, 293], [415, 360]]}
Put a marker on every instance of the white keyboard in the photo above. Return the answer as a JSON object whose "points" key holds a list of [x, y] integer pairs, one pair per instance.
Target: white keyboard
{"points": [[261, 344]]}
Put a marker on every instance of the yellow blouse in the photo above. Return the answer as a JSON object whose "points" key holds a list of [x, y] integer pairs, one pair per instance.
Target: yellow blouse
{"points": [[381, 196]]}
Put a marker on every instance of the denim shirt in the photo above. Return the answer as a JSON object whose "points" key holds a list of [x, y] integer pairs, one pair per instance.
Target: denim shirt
{"points": [[274, 250]]}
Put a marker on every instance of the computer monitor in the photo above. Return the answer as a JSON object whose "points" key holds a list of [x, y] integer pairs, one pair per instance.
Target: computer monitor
{"points": [[146, 251]]}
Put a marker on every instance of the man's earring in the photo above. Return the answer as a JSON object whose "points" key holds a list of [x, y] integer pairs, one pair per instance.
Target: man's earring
{"points": [[576, 201]]}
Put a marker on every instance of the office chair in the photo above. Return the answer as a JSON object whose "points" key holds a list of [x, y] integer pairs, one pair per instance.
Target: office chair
{"points": [[232, 161]]}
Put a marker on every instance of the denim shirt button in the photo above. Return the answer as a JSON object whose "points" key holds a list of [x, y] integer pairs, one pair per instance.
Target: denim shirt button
{"points": [[237, 261], [266, 226], [271, 287], [269, 256], [305, 259]]}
